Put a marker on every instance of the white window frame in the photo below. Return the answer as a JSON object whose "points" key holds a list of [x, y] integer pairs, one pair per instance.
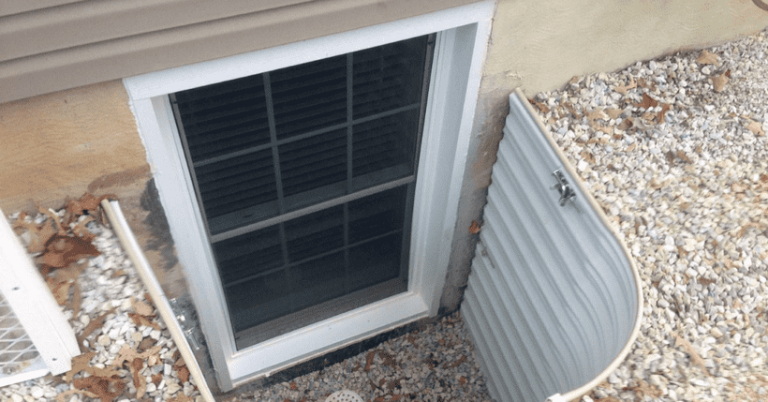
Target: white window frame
{"points": [[462, 39]]}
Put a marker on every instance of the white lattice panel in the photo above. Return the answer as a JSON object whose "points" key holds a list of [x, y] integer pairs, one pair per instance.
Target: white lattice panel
{"points": [[35, 337], [19, 359]]}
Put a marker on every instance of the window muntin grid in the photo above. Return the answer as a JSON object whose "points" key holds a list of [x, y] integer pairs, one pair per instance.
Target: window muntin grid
{"points": [[354, 138]]}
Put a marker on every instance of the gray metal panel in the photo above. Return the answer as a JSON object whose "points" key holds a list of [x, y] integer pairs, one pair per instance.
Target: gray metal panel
{"points": [[70, 44], [552, 299]]}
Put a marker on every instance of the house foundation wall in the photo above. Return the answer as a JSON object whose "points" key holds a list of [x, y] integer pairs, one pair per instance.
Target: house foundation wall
{"points": [[61, 145]]}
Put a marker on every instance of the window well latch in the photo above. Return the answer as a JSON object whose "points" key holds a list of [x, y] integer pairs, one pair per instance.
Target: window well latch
{"points": [[565, 190]]}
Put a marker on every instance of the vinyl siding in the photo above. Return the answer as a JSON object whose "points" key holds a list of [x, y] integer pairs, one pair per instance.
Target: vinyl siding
{"points": [[66, 44]]}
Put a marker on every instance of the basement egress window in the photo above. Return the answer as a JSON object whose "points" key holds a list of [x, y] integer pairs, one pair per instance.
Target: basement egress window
{"points": [[305, 176], [312, 189]]}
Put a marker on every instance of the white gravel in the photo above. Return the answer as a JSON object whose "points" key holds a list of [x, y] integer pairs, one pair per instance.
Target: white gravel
{"points": [[689, 195], [110, 281]]}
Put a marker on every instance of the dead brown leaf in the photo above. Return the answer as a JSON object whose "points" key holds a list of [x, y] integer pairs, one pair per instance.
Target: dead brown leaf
{"points": [[626, 124], [77, 299], [95, 324], [105, 388], [456, 363], [60, 251], [664, 109], [80, 230], [606, 129], [541, 106], [61, 292], [683, 157], [183, 374], [181, 398], [139, 319], [588, 157], [145, 344], [704, 281], [647, 102], [157, 378], [54, 218], [707, 57], [688, 348], [80, 364], [38, 236], [127, 353], [719, 82], [596, 114], [624, 88], [756, 128], [670, 157], [643, 389], [368, 360], [474, 228], [141, 308], [613, 112], [87, 204], [743, 229], [138, 380]]}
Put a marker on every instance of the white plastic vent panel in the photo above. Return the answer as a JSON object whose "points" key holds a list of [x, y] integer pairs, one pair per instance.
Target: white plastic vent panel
{"points": [[553, 300], [19, 359], [35, 337]]}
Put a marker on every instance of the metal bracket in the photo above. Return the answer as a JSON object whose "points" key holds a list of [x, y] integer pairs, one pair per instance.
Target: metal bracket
{"points": [[565, 190]]}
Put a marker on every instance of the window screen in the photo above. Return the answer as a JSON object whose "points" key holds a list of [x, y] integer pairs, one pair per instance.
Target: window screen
{"points": [[305, 177]]}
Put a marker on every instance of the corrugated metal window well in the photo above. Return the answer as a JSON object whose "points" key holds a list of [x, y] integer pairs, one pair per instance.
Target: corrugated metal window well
{"points": [[305, 176]]}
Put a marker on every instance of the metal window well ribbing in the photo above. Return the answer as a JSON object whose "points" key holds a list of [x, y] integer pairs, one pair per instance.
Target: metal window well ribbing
{"points": [[305, 177], [553, 301]]}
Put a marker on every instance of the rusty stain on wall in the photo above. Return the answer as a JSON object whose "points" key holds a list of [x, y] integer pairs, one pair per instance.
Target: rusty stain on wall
{"points": [[119, 179]]}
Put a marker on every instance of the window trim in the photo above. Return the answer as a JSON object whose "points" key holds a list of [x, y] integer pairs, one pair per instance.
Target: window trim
{"points": [[460, 50]]}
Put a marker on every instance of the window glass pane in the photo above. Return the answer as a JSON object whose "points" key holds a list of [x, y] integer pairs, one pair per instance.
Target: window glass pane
{"points": [[314, 234], [377, 215], [384, 149], [237, 183], [375, 261], [247, 255], [314, 169], [318, 280], [309, 96], [223, 118], [388, 77], [258, 300]]}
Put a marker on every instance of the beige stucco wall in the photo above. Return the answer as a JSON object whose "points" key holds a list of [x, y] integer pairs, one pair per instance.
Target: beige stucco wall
{"points": [[539, 45], [61, 145]]}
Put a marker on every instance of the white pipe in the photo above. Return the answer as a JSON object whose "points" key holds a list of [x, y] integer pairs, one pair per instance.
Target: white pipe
{"points": [[131, 246]]}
